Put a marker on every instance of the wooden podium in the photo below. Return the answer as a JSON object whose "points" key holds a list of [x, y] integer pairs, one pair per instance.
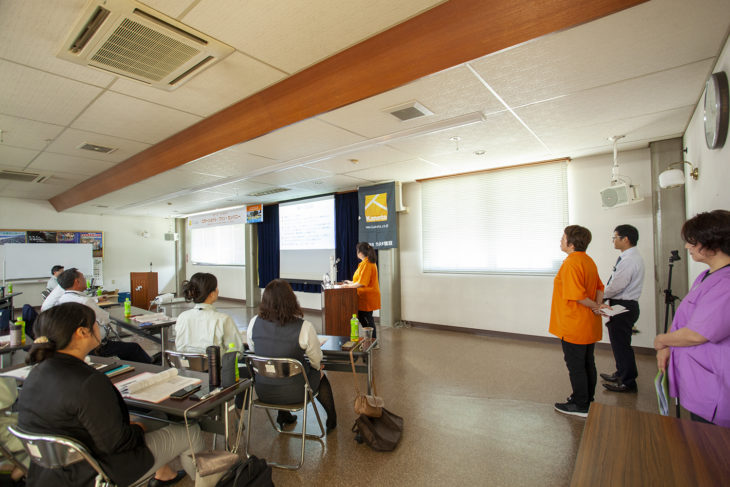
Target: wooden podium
{"points": [[143, 288], [338, 306]]}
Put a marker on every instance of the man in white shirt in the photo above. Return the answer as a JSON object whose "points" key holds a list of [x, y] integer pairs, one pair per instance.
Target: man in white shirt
{"points": [[74, 284], [624, 288], [56, 271], [52, 299]]}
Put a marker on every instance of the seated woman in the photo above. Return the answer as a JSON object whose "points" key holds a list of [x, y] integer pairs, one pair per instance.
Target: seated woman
{"points": [[279, 331], [198, 328], [63, 395], [201, 327]]}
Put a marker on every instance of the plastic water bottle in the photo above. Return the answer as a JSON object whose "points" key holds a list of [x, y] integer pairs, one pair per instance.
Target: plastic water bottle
{"points": [[10, 288], [232, 349], [99, 291], [20, 323], [354, 329], [127, 308], [15, 332]]}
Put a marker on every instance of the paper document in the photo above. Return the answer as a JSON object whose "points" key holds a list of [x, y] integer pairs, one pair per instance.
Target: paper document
{"points": [[614, 310], [152, 318], [154, 387], [322, 340], [21, 373], [662, 393]]}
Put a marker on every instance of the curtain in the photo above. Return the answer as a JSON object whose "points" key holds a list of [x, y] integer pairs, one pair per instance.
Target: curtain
{"points": [[268, 240], [346, 234]]}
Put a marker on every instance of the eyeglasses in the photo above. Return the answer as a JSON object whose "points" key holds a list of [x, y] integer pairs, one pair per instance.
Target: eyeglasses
{"points": [[617, 237]]}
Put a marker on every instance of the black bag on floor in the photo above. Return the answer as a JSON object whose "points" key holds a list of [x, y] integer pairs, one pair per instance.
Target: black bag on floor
{"points": [[381, 434], [254, 472]]}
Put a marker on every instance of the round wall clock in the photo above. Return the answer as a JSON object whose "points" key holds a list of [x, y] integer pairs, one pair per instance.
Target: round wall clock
{"points": [[716, 110]]}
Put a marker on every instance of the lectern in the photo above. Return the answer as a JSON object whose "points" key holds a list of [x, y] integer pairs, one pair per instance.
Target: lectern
{"points": [[338, 306], [143, 288]]}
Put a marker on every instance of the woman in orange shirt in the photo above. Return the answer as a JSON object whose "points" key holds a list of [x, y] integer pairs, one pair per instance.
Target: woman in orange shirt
{"points": [[366, 282]]}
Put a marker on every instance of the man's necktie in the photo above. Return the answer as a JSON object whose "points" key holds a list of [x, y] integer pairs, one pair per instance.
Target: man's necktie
{"points": [[614, 270]]}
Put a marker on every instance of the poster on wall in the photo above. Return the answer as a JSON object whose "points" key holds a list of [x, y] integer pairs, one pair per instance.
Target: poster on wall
{"points": [[67, 237], [377, 216], [255, 213], [41, 237], [11, 236], [95, 239]]}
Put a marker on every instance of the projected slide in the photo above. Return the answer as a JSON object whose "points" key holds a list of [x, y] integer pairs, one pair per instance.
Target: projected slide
{"points": [[306, 238]]}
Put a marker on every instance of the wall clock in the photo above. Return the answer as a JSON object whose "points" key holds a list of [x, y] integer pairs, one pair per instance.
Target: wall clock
{"points": [[716, 110]]}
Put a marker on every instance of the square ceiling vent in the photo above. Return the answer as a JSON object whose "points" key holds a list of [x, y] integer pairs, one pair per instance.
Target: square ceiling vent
{"points": [[134, 41], [409, 111]]}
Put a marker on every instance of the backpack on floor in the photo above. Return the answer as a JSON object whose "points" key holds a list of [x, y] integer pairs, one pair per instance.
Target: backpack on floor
{"points": [[254, 472], [381, 434]]}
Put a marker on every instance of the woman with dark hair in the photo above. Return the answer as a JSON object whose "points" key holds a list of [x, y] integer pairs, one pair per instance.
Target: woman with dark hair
{"points": [[203, 326], [279, 331], [366, 282], [63, 395], [697, 348]]}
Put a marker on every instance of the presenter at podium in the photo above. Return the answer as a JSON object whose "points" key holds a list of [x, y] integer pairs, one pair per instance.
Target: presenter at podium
{"points": [[366, 282]]}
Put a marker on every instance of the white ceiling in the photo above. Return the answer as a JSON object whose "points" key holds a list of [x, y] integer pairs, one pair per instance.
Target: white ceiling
{"points": [[639, 72]]}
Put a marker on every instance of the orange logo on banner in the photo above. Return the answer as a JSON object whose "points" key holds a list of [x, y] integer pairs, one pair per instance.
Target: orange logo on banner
{"points": [[376, 207]]}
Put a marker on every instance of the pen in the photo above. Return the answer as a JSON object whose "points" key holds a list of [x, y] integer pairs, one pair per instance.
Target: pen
{"points": [[211, 393]]}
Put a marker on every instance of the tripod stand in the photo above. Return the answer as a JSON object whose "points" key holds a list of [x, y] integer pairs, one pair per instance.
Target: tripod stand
{"points": [[669, 299]]}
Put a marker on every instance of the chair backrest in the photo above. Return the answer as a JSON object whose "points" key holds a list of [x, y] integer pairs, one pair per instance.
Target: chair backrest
{"points": [[275, 368], [55, 451], [187, 360], [45, 293]]}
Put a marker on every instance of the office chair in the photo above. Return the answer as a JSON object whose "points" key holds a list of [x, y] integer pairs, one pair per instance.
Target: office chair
{"points": [[55, 451], [187, 360], [282, 368]]}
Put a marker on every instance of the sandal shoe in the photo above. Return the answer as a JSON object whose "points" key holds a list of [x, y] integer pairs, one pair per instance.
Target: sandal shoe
{"points": [[162, 483]]}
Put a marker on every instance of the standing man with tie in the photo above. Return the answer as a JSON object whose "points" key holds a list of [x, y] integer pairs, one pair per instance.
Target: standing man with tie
{"points": [[624, 288]]}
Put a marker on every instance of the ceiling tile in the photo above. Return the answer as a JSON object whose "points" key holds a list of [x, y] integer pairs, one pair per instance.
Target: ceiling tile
{"points": [[228, 162], [40, 26], [48, 162], [447, 94], [400, 171], [332, 184], [33, 94], [635, 42], [27, 134], [243, 188], [292, 35], [223, 84], [69, 141], [291, 176], [131, 118], [171, 8], [177, 180], [16, 158], [371, 156], [631, 98], [301, 139]]}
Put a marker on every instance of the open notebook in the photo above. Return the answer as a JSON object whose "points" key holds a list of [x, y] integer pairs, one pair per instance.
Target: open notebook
{"points": [[154, 387]]}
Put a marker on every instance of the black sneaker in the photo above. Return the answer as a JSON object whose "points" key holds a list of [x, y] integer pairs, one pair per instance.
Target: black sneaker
{"points": [[572, 409]]}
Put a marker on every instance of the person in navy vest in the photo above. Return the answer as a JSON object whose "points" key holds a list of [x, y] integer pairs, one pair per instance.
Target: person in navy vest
{"points": [[280, 331]]}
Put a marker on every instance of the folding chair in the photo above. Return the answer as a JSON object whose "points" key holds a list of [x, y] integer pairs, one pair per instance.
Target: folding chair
{"points": [[55, 451], [280, 369], [187, 360]]}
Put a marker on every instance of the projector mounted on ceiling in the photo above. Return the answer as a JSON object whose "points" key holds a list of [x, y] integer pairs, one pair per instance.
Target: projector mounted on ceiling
{"points": [[132, 40], [621, 192]]}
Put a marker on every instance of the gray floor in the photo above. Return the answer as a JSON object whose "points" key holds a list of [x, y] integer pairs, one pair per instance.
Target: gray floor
{"points": [[478, 411]]}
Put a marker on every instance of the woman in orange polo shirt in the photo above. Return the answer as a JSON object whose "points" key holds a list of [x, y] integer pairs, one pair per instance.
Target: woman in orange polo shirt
{"points": [[574, 318], [366, 282]]}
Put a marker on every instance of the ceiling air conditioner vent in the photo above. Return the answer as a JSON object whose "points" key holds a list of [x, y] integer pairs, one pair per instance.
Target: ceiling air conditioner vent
{"points": [[269, 191], [22, 177], [409, 111], [96, 148], [132, 40]]}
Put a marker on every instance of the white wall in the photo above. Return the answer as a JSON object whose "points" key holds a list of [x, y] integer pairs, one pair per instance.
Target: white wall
{"points": [[125, 250], [231, 279], [521, 304], [710, 191]]}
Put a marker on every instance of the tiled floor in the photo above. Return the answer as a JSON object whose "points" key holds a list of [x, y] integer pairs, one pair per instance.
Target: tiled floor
{"points": [[478, 411]]}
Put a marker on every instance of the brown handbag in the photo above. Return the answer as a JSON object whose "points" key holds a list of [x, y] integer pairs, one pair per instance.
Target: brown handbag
{"points": [[368, 404]]}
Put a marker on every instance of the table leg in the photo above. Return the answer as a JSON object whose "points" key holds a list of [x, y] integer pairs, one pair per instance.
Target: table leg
{"points": [[369, 358], [163, 338]]}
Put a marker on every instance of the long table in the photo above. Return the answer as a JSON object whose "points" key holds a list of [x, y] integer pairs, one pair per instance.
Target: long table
{"points": [[117, 315], [631, 448], [6, 302], [334, 358]]}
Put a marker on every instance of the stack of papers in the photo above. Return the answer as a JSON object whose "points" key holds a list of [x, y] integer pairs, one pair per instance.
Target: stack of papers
{"points": [[21, 373], [614, 310], [154, 387], [152, 318]]}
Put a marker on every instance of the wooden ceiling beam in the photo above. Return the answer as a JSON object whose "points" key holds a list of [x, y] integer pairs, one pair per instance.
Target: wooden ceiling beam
{"points": [[452, 33]]}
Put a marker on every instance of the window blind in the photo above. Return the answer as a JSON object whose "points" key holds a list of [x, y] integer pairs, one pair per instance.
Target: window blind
{"points": [[507, 221], [219, 245]]}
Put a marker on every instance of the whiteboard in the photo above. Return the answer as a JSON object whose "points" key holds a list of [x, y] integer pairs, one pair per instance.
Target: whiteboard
{"points": [[34, 260]]}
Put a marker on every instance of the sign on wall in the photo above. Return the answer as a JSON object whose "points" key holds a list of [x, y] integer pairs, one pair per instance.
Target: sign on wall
{"points": [[218, 218], [377, 216], [255, 213]]}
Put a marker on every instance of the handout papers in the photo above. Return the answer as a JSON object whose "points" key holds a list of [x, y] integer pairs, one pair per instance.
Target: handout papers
{"points": [[152, 318], [154, 387], [614, 310], [21, 373]]}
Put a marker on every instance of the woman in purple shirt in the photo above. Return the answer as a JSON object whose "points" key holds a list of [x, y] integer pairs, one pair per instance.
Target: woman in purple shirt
{"points": [[697, 349]]}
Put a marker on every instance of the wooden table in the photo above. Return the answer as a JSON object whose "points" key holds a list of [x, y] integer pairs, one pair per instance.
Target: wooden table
{"points": [[624, 447]]}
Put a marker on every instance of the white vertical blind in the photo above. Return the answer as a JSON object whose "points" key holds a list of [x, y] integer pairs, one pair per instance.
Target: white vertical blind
{"points": [[219, 245], [508, 221]]}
